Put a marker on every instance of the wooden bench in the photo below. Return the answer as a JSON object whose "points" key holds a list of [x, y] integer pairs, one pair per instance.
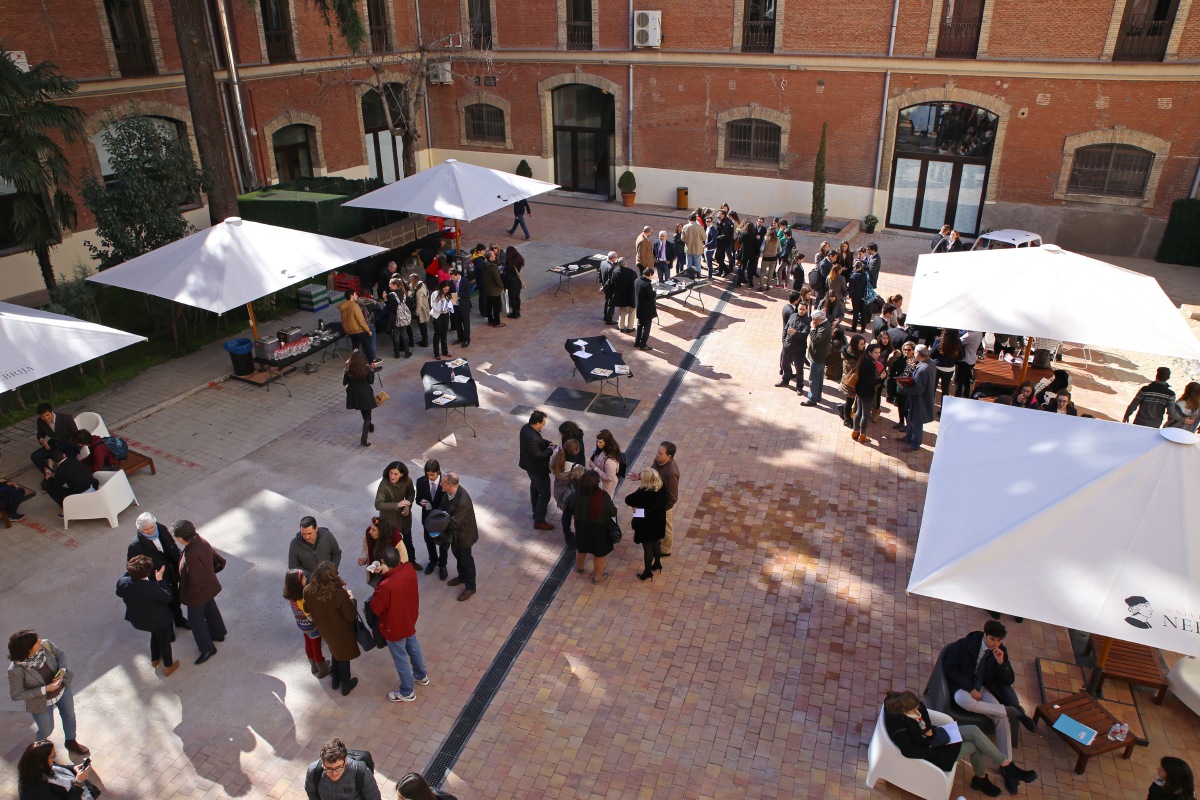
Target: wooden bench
{"points": [[1133, 663], [136, 461]]}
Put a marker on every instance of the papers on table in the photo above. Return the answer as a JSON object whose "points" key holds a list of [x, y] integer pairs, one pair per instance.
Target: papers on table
{"points": [[639, 512], [952, 731], [582, 354], [580, 343], [603, 373], [443, 399], [1075, 730], [458, 362], [461, 379], [621, 369]]}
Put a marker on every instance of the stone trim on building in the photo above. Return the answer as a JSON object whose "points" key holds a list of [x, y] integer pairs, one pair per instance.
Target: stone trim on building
{"points": [[753, 111], [547, 86], [935, 28], [1161, 149], [293, 117], [361, 89], [464, 11], [110, 51], [139, 108], [562, 23], [739, 14], [486, 98], [945, 94], [292, 31]]}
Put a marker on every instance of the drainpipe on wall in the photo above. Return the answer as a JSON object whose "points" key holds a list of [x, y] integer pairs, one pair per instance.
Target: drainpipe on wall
{"points": [[887, 85], [248, 177], [629, 154], [424, 88]]}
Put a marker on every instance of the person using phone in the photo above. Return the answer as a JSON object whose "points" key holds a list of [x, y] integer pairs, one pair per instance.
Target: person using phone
{"points": [[38, 675], [40, 778]]}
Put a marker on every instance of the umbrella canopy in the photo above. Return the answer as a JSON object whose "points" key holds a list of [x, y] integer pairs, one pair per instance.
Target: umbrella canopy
{"points": [[1084, 523], [1049, 293], [233, 263], [454, 190], [34, 344]]}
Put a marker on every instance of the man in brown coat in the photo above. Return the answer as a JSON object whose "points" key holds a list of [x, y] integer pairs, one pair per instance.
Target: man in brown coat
{"points": [[645, 249], [493, 288], [354, 323], [198, 589], [463, 532]]}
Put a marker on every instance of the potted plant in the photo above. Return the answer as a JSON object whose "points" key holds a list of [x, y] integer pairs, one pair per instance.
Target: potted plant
{"points": [[524, 170], [628, 186], [870, 221]]}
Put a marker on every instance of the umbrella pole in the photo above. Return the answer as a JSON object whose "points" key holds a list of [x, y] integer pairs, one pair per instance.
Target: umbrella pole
{"points": [[253, 321], [1024, 360]]}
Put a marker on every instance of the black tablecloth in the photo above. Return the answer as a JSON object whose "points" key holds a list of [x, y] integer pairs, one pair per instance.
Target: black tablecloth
{"points": [[318, 342], [679, 286], [603, 356], [579, 266], [436, 375]]}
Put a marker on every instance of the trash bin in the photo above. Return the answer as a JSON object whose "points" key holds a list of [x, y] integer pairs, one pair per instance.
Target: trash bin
{"points": [[241, 354], [681, 198]]}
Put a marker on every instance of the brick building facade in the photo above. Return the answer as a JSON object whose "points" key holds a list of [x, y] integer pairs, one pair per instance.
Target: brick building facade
{"points": [[1080, 121]]}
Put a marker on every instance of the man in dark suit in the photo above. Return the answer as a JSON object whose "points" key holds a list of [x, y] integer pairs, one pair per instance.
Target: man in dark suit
{"points": [[463, 532], [608, 270], [198, 589], [795, 345], [462, 310], [789, 308], [148, 608], [154, 541], [68, 476], [429, 497], [535, 460], [874, 263], [54, 432], [980, 676], [646, 304]]}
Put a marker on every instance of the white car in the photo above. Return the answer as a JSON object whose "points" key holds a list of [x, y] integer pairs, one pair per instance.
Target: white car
{"points": [[1007, 239]]}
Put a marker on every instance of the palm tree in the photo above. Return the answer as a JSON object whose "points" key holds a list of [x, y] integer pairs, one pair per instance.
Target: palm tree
{"points": [[30, 157]]}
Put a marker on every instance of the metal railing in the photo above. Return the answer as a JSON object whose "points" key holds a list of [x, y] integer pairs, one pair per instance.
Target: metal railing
{"points": [[381, 38], [1143, 39], [579, 35], [958, 40], [135, 57], [279, 46], [481, 36], [758, 36]]}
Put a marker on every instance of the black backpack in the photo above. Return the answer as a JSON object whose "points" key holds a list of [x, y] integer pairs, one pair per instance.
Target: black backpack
{"points": [[622, 466], [816, 279], [364, 756]]}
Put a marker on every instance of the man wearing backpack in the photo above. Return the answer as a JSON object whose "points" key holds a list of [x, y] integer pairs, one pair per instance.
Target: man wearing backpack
{"points": [[339, 776]]}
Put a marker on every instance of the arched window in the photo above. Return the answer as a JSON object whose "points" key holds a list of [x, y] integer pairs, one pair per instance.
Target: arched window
{"points": [[170, 127], [385, 148], [485, 123], [1110, 170], [752, 141], [293, 146]]}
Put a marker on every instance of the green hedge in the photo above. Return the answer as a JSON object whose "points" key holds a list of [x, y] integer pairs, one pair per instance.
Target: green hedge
{"points": [[1181, 241]]}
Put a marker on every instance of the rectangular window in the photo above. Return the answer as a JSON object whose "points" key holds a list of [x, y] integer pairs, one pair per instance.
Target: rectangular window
{"points": [[758, 27], [579, 24], [277, 30], [959, 35], [485, 124], [1111, 170], [481, 24], [752, 140], [377, 22], [1145, 30], [135, 56]]}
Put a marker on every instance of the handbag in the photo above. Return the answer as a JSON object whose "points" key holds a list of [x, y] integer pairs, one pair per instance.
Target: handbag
{"points": [[218, 562], [381, 398], [851, 380], [363, 634], [614, 531]]}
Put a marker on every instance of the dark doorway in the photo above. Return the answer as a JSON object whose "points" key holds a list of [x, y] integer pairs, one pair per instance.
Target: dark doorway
{"points": [[940, 166], [583, 138]]}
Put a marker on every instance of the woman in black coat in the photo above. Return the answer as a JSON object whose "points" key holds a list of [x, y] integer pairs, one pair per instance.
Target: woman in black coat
{"points": [[908, 724], [649, 520], [594, 515], [359, 394], [513, 262], [870, 372], [148, 608], [1174, 781], [624, 297], [39, 778]]}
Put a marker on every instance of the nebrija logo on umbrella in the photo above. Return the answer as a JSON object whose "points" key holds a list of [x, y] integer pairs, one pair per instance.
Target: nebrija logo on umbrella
{"points": [[1139, 611]]}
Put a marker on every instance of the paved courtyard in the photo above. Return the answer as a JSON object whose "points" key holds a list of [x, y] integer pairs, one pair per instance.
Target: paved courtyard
{"points": [[753, 665]]}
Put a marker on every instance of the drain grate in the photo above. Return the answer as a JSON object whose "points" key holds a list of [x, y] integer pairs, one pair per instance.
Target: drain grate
{"points": [[468, 719]]}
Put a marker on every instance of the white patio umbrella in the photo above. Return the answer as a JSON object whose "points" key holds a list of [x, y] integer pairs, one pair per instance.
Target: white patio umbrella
{"points": [[454, 190], [232, 264], [1050, 293], [34, 344], [1084, 523]]}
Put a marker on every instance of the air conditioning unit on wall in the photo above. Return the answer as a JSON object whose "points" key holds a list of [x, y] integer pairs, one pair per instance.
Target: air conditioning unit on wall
{"points": [[647, 28], [440, 72]]}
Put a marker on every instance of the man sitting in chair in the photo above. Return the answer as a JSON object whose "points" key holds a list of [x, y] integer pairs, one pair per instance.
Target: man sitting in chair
{"points": [[980, 675], [70, 476]]}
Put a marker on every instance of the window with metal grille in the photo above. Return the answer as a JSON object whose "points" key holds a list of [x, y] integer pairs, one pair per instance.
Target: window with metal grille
{"points": [[1111, 170], [485, 123], [752, 140]]}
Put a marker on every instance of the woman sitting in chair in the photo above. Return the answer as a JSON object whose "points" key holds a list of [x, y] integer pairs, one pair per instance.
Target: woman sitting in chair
{"points": [[908, 723]]}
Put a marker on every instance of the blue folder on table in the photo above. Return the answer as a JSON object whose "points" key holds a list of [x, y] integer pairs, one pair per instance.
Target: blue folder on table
{"points": [[1075, 730]]}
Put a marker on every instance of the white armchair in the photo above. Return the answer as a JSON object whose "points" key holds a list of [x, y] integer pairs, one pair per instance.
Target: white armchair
{"points": [[114, 496], [922, 778], [91, 421], [1184, 679]]}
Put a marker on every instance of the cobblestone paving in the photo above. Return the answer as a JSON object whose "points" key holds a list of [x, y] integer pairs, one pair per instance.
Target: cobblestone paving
{"points": [[753, 665]]}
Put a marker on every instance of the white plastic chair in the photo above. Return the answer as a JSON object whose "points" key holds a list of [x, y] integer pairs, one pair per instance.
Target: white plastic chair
{"points": [[114, 496], [1184, 680], [922, 778], [91, 421]]}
